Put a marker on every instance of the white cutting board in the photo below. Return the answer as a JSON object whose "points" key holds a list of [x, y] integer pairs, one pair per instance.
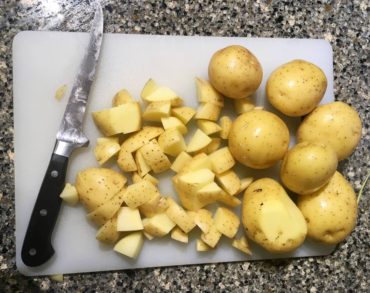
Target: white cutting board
{"points": [[43, 61]]}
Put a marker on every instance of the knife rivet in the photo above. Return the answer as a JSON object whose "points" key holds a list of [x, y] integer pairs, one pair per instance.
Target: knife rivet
{"points": [[32, 251], [43, 212], [54, 174]]}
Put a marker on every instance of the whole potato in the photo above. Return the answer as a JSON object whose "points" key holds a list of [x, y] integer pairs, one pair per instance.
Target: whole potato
{"points": [[271, 218], [296, 88], [235, 72], [95, 186], [331, 211], [308, 166], [258, 139], [335, 124]]}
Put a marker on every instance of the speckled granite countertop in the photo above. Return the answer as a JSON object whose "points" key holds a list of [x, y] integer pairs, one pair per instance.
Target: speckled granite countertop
{"points": [[344, 23]]}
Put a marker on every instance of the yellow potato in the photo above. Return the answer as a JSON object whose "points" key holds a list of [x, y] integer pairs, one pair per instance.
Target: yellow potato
{"points": [[199, 161], [271, 218], [203, 219], [126, 161], [211, 147], [179, 216], [206, 93], [335, 124], [158, 204], [183, 113], [130, 245], [242, 245], [152, 92], [181, 160], [229, 181], [208, 127], [202, 246], [174, 123], [129, 219], [172, 142], [140, 138], [226, 222], [198, 141], [222, 160], [212, 237], [139, 193], [331, 211], [235, 72], [155, 157], [258, 139], [243, 105], [69, 194], [296, 87], [97, 185], [158, 225], [208, 111], [106, 147], [122, 97], [108, 232], [225, 123], [157, 110], [142, 167], [178, 235], [308, 166], [151, 178]]}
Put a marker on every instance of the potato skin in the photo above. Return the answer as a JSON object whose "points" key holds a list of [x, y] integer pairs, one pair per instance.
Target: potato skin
{"points": [[296, 88], [330, 212], [271, 218], [335, 124], [235, 72], [258, 139], [308, 166]]}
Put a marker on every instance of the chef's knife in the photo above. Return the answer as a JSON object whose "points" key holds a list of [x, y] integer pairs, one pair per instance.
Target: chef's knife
{"points": [[37, 247]]}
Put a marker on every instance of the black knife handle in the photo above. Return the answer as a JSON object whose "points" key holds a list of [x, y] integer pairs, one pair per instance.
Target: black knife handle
{"points": [[37, 247]]}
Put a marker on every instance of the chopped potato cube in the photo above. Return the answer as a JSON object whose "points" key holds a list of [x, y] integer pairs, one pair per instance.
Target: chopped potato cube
{"points": [[149, 87], [158, 225], [206, 93], [208, 127], [157, 110], [179, 216], [208, 111], [60, 92], [229, 181], [244, 183], [243, 105], [139, 193], [201, 246], [141, 138], [212, 146], [125, 118], [142, 166], [174, 123], [179, 235], [130, 245], [155, 157], [198, 141], [69, 194], [183, 113], [225, 123], [126, 161], [222, 160], [163, 94], [154, 206], [226, 222], [106, 147], [181, 160], [129, 219], [108, 232], [151, 178], [172, 142], [136, 177], [200, 161], [203, 219], [210, 191], [229, 200], [148, 236], [212, 237], [242, 245], [122, 97]]}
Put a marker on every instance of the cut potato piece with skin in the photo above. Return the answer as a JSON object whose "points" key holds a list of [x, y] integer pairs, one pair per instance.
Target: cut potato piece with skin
{"points": [[141, 138], [242, 245], [200, 161], [157, 110], [212, 146], [148, 236], [126, 161], [222, 160], [151, 178], [203, 219], [97, 185], [198, 141], [154, 206], [158, 225], [152, 92], [206, 93], [226, 222], [183, 113], [179, 216], [174, 123], [212, 193], [229, 181], [181, 160], [155, 157], [208, 111], [108, 232], [125, 118], [212, 237], [149, 87], [229, 200], [136, 177], [122, 97], [243, 105], [107, 210], [129, 219], [208, 127], [69, 194], [140, 193], [244, 183], [106, 147], [142, 166], [202, 246], [179, 235], [130, 245], [172, 142], [187, 185], [225, 123]]}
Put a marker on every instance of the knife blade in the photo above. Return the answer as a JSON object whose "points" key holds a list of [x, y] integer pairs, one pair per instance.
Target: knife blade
{"points": [[37, 247]]}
